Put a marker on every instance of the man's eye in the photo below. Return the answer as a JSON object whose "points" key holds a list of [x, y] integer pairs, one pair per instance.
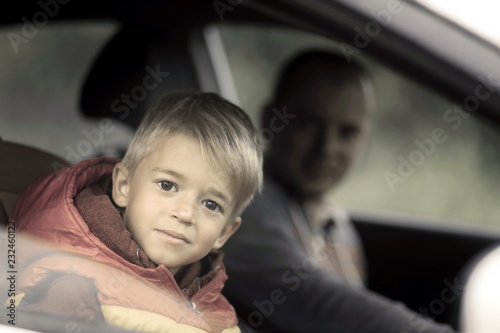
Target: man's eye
{"points": [[348, 132], [167, 186], [212, 205]]}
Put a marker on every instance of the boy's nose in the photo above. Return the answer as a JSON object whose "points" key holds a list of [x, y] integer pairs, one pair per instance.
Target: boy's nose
{"points": [[183, 211]]}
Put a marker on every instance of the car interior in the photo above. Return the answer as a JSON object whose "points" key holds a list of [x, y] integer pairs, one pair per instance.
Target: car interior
{"points": [[421, 231], [25, 165]]}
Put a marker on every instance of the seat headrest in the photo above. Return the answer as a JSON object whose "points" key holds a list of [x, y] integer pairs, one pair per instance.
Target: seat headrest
{"points": [[136, 67]]}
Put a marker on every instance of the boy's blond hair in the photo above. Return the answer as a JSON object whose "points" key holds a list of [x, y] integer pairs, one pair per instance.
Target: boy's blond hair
{"points": [[225, 132]]}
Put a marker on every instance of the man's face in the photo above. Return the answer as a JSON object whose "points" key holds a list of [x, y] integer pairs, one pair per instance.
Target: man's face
{"points": [[177, 205], [319, 146]]}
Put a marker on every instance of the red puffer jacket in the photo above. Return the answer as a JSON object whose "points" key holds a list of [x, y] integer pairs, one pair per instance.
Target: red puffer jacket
{"points": [[129, 296]]}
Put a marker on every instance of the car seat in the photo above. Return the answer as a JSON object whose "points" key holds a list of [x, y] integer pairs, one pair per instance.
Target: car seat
{"points": [[123, 88], [20, 165]]}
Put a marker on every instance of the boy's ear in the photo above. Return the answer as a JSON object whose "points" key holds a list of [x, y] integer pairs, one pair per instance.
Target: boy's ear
{"points": [[229, 229], [120, 185]]}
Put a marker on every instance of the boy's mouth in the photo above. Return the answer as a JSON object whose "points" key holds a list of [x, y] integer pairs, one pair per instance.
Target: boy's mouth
{"points": [[173, 237]]}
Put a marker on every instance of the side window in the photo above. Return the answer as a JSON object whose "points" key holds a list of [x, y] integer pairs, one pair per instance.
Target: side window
{"points": [[427, 156], [41, 80]]}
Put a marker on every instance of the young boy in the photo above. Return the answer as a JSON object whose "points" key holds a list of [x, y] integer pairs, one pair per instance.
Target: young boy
{"points": [[152, 223]]}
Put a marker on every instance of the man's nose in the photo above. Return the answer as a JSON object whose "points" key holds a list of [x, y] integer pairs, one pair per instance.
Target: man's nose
{"points": [[330, 142]]}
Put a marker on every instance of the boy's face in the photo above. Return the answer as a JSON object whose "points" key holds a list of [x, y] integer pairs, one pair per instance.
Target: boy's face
{"points": [[177, 205]]}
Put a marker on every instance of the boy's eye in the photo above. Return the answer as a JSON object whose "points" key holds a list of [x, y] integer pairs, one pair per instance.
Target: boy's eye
{"points": [[212, 205], [167, 186]]}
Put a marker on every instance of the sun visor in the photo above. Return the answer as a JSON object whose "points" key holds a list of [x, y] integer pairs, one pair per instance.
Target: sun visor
{"points": [[134, 69]]}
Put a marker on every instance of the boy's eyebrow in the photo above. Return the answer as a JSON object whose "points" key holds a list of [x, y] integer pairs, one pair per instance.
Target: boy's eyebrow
{"points": [[218, 194], [169, 172]]}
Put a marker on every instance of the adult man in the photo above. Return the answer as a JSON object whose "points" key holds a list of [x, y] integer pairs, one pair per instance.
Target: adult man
{"points": [[296, 264]]}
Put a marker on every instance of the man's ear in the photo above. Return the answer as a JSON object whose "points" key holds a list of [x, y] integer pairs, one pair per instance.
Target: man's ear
{"points": [[229, 229], [266, 115], [120, 185], [366, 139]]}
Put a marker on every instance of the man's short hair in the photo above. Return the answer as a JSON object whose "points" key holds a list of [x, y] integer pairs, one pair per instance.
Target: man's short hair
{"points": [[226, 134], [314, 65]]}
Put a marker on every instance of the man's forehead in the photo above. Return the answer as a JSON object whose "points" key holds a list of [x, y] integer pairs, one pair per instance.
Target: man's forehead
{"points": [[327, 101]]}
